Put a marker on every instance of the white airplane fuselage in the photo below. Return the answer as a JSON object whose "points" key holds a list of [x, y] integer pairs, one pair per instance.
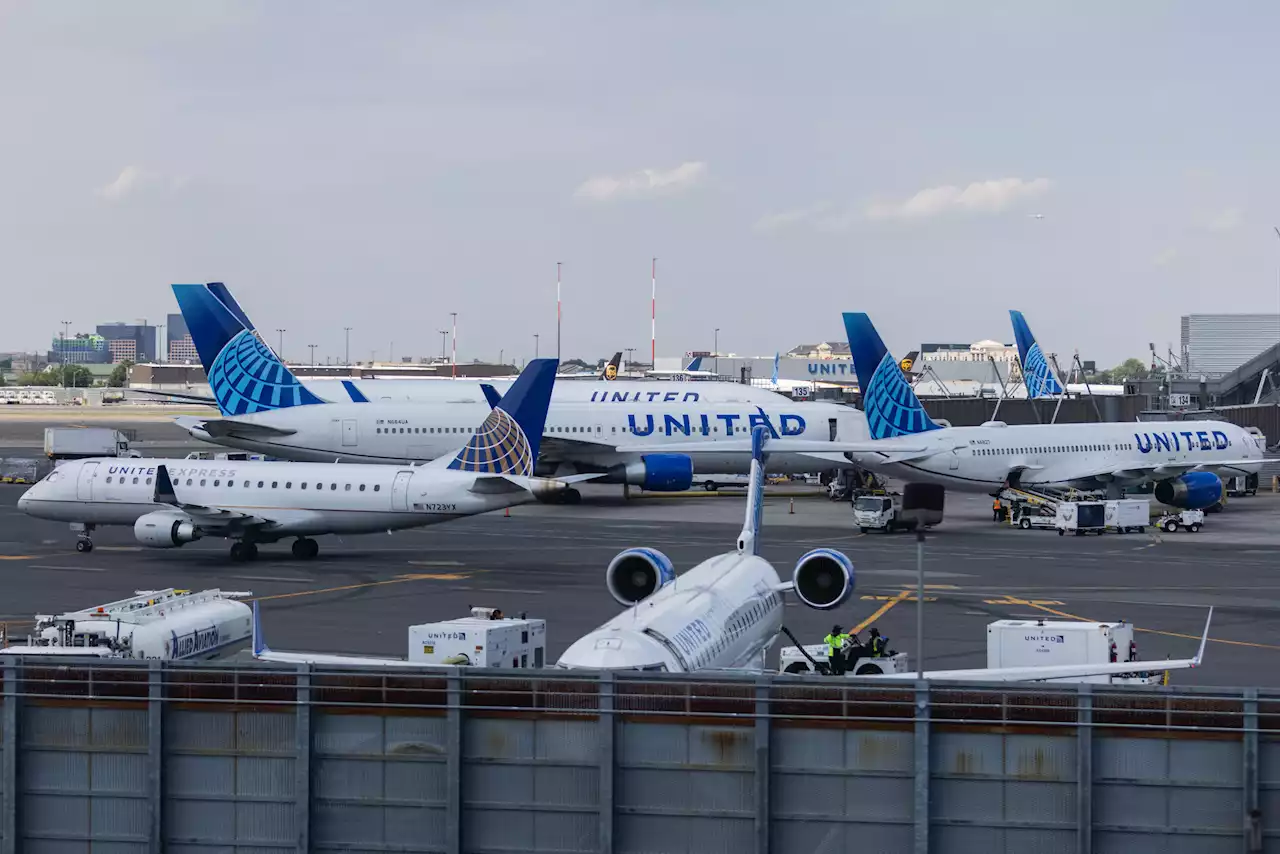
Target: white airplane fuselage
{"points": [[299, 498], [579, 434], [981, 458]]}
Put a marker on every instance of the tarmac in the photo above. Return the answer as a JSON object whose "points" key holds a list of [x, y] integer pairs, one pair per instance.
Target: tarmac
{"points": [[361, 593]]}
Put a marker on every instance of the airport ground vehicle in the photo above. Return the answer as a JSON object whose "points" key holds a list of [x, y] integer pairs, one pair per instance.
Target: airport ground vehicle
{"points": [[484, 639], [1081, 517], [167, 624], [884, 513], [1189, 520], [712, 482], [1245, 484], [1025, 650], [792, 660], [78, 443], [1127, 515], [1027, 515]]}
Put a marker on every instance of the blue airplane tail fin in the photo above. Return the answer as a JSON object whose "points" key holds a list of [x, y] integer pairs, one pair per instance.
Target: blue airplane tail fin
{"points": [[243, 372], [748, 540], [695, 365], [259, 640], [224, 296], [892, 408], [508, 440], [1036, 372]]}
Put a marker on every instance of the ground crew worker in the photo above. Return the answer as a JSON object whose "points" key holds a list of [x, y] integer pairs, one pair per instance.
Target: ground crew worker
{"points": [[879, 645], [995, 511], [835, 649]]}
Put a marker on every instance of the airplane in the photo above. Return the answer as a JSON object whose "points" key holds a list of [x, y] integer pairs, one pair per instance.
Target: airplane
{"points": [[171, 502], [726, 612], [693, 371], [723, 613], [1184, 461], [1037, 375], [267, 410]]}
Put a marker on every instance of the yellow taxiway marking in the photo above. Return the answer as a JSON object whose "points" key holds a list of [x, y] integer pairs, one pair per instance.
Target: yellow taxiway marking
{"points": [[898, 598], [1016, 601], [941, 587], [1020, 602], [17, 557], [880, 612], [442, 576]]}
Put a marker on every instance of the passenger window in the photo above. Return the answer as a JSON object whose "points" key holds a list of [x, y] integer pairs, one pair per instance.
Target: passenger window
{"points": [[188, 481], [376, 488], [259, 484], [215, 483], [332, 487], [348, 488], [148, 481], [108, 478], [274, 484], [304, 485], [202, 481], [377, 430], [362, 487], [319, 486], [288, 484]]}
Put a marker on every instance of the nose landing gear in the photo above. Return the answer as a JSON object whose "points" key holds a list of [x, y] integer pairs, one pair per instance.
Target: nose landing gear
{"points": [[84, 543]]}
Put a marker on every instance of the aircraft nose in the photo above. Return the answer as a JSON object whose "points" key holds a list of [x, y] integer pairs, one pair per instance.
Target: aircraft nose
{"points": [[25, 499]]}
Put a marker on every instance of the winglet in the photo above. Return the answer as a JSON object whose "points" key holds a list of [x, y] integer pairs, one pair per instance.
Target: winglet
{"points": [[491, 395], [354, 393], [1036, 373], [164, 493], [892, 408], [508, 440], [1204, 640], [259, 640], [747, 540]]}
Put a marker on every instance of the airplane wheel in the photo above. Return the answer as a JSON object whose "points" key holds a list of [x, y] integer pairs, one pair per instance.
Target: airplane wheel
{"points": [[84, 545], [250, 551], [239, 553], [305, 548]]}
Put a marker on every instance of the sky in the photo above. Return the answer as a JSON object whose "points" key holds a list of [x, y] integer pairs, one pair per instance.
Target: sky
{"points": [[1104, 167]]}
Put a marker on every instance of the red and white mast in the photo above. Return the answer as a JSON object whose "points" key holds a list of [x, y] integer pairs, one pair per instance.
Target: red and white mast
{"points": [[653, 316]]}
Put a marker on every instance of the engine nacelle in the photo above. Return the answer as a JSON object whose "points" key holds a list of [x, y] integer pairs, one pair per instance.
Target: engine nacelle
{"points": [[636, 574], [823, 579], [162, 530], [1196, 490], [660, 472]]}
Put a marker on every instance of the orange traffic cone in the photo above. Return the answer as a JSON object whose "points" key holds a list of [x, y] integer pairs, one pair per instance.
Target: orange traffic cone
{"points": [[506, 511]]}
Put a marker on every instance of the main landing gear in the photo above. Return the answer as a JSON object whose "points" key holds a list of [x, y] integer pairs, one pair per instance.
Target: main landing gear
{"points": [[305, 548], [84, 543], [242, 552]]}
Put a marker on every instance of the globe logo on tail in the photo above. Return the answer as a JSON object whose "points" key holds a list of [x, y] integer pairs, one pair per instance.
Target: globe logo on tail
{"points": [[892, 408], [1040, 379], [247, 377], [498, 447]]}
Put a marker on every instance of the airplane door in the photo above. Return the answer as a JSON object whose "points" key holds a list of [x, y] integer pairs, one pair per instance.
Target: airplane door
{"points": [[84, 484], [599, 431], [400, 491], [349, 433], [955, 460]]}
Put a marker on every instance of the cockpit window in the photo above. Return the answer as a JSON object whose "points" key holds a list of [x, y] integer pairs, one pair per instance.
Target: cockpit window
{"points": [[53, 477]]}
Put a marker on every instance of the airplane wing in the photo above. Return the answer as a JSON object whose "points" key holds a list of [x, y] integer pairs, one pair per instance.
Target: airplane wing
{"points": [[218, 428], [207, 517], [1159, 471], [499, 484], [891, 451], [1063, 671], [189, 398]]}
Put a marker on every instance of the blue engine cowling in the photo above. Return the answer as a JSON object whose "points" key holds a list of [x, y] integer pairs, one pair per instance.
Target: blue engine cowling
{"points": [[661, 472], [1195, 490], [823, 579], [636, 574]]}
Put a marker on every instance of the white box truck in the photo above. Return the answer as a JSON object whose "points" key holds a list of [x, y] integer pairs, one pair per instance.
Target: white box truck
{"points": [[75, 443], [485, 639], [1041, 643], [884, 513], [1128, 514]]}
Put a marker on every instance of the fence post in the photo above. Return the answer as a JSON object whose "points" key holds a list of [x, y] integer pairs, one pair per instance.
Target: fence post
{"points": [[1252, 811], [921, 788], [605, 733], [302, 759], [453, 768], [1084, 768], [155, 755], [764, 765], [9, 767]]}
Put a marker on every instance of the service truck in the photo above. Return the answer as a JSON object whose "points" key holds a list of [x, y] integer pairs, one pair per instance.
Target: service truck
{"points": [[885, 513], [1081, 517], [77, 443], [484, 639], [793, 660], [1241, 485], [1128, 514]]}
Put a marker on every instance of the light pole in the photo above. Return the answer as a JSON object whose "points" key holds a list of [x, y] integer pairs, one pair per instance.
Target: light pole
{"points": [[630, 355], [347, 357], [453, 371], [535, 345], [444, 345], [280, 352], [717, 349], [66, 326], [313, 354]]}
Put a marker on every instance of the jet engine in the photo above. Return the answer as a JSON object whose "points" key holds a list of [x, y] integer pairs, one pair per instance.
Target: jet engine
{"points": [[1197, 490], [658, 473], [636, 574], [161, 530], [823, 579]]}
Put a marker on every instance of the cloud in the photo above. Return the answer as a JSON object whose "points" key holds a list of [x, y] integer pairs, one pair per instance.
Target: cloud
{"points": [[774, 222], [133, 179], [642, 184], [1225, 220], [1165, 258], [984, 197]]}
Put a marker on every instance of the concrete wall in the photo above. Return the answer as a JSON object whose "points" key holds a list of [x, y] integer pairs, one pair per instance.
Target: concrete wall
{"points": [[201, 759]]}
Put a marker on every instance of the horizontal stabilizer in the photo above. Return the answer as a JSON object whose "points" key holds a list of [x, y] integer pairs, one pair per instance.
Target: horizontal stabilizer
{"points": [[173, 395], [224, 427]]}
